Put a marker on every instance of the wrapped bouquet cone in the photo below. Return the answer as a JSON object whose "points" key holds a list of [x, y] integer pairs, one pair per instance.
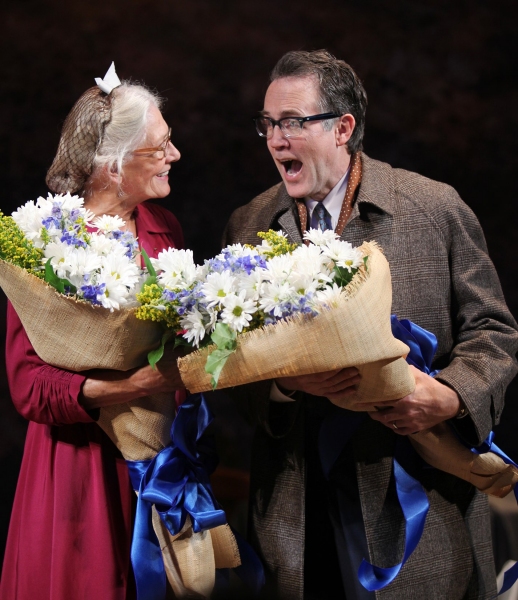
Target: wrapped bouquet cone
{"points": [[441, 449], [141, 428], [356, 333]]}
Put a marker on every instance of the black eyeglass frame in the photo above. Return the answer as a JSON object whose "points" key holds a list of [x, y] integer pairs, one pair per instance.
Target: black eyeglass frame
{"points": [[301, 120]]}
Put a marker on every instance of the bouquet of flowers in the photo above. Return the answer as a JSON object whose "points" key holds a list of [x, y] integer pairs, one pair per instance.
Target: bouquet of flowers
{"points": [[280, 309], [59, 264]]}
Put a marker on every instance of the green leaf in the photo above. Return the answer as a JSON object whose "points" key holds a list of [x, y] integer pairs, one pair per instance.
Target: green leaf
{"points": [[343, 276], [365, 259], [56, 282], [181, 341], [225, 340], [150, 280], [224, 337], [150, 268], [215, 363], [155, 355]]}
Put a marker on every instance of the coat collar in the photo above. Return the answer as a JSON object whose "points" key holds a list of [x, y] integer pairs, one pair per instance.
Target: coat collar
{"points": [[377, 185]]}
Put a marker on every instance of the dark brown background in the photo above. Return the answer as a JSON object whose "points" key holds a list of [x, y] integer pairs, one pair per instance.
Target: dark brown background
{"points": [[443, 101]]}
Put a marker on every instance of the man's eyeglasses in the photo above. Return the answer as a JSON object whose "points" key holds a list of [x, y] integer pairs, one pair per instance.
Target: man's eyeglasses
{"points": [[289, 126], [157, 152]]}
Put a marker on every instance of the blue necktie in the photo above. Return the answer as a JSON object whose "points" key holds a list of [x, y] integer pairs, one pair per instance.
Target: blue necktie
{"points": [[324, 218]]}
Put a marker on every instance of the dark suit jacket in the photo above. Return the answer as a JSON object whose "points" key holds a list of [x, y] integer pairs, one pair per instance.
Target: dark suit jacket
{"points": [[444, 281]]}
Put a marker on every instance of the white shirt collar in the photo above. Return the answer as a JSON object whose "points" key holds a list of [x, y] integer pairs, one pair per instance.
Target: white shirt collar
{"points": [[332, 202]]}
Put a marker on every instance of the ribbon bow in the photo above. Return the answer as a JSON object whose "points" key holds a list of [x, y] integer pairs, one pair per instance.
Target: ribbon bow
{"points": [[177, 482]]}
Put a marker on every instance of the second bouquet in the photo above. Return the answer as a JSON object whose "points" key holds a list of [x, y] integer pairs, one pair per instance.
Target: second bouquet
{"points": [[278, 309]]}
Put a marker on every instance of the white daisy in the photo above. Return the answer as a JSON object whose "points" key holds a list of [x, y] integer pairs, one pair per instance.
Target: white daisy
{"points": [[237, 311], [108, 223], [279, 267], [343, 254], [59, 255], [273, 295], [329, 297], [319, 238], [217, 287], [121, 268], [177, 268], [194, 325]]}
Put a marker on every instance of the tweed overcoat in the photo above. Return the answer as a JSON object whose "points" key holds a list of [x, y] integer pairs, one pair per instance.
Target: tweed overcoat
{"points": [[444, 281]]}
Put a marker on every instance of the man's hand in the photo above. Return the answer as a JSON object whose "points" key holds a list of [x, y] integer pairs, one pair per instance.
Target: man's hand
{"points": [[334, 385], [429, 404]]}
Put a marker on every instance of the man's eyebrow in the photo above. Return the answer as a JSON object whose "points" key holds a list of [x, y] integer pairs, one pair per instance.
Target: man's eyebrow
{"points": [[284, 113]]}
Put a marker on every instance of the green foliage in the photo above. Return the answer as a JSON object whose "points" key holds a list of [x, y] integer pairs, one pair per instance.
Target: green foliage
{"points": [[154, 309], [226, 342], [16, 249], [150, 268], [279, 243], [63, 286], [155, 355]]}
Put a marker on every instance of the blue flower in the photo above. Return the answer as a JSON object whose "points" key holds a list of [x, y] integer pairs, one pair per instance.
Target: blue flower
{"points": [[92, 292]]}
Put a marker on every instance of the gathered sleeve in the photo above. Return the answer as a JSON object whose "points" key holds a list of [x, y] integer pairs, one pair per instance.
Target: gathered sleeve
{"points": [[40, 393]]}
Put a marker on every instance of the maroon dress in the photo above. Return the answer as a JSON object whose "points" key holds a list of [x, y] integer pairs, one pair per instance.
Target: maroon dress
{"points": [[71, 523]]}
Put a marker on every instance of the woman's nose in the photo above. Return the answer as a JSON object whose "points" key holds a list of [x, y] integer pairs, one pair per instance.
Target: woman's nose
{"points": [[173, 154]]}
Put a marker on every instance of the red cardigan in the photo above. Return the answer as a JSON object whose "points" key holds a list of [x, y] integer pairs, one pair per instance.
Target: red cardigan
{"points": [[71, 523]]}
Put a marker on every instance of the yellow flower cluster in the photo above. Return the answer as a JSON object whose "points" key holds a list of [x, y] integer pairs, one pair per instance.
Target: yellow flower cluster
{"points": [[15, 248], [278, 243], [150, 297]]}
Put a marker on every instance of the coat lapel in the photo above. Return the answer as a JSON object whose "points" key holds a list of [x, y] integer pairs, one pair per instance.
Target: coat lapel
{"points": [[285, 213]]}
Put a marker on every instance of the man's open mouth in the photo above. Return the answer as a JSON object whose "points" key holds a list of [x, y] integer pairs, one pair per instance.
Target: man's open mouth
{"points": [[292, 167]]}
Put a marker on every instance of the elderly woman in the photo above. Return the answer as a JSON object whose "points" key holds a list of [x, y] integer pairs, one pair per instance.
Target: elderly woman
{"points": [[71, 523]]}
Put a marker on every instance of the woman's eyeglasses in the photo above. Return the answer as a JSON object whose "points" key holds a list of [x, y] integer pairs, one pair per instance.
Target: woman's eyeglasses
{"points": [[158, 152]]}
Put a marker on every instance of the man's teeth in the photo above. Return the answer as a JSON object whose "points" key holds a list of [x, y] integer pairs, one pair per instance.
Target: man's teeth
{"points": [[163, 174]]}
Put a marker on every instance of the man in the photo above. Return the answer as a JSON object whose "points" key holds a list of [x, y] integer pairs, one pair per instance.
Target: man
{"points": [[313, 532]]}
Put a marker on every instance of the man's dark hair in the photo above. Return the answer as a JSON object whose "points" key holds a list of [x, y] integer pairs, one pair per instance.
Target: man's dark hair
{"points": [[340, 89]]}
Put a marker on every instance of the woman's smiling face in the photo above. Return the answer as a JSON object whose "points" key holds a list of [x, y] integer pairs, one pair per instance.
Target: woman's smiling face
{"points": [[145, 176]]}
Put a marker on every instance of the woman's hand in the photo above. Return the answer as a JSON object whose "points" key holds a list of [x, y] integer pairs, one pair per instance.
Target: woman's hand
{"points": [[103, 387]]}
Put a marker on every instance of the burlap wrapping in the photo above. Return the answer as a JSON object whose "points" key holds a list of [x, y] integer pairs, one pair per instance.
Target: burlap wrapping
{"points": [[356, 333], [77, 336], [442, 450]]}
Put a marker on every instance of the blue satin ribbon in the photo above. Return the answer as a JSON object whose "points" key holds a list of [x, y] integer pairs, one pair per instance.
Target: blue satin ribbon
{"points": [[422, 343], [336, 432], [414, 504], [177, 482]]}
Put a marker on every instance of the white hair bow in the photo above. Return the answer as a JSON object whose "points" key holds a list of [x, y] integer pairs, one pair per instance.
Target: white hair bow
{"points": [[110, 80]]}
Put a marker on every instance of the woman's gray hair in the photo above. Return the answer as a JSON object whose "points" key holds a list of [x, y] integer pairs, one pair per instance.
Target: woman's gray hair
{"points": [[126, 130], [100, 131]]}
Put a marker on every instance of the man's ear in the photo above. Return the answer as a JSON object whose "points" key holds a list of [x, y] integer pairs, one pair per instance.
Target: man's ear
{"points": [[344, 129]]}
